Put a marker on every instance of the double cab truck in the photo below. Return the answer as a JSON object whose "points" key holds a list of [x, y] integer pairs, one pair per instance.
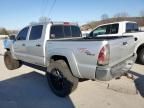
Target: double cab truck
{"points": [[123, 28], [68, 57]]}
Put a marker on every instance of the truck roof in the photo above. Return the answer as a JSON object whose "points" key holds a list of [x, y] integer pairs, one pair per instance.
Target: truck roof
{"points": [[118, 22], [55, 23]]}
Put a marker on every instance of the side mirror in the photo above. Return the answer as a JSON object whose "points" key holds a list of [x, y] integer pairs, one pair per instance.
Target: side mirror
{"points": [[52, 36], [12, 37]]}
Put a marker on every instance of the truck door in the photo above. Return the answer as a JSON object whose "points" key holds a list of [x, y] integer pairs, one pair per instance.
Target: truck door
{"points": [[35, 43], [19, 45]]}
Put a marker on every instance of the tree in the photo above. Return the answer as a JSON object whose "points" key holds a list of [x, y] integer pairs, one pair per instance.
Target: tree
{"points": [[44, 19], [3, 31], [104, 17], [121, 14]]}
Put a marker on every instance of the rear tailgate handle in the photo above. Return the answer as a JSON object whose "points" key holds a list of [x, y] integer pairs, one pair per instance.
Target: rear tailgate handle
{"points": [[23, 44], [125, 43]]}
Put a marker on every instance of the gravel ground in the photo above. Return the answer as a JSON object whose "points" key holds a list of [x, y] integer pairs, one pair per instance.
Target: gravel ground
{"points": [[27, 88]]}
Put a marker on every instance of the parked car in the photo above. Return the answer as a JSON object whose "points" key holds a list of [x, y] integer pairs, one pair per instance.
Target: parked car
{"points": [[59, 47], [124, 28]]}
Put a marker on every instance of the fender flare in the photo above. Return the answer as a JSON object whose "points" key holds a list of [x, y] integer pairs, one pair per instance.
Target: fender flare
{"points": [[69, 55]]}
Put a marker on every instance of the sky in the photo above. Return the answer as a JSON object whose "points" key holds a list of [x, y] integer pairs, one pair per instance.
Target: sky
{"points": [[15, 14]]}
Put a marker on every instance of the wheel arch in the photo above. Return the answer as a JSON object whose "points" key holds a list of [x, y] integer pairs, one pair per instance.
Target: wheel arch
{"points": [[7, 49], [59, 57], [70, 62], [139, 48]]}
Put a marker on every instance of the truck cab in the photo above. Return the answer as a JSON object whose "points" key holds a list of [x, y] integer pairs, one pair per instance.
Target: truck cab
{"points": [[30, 44]]}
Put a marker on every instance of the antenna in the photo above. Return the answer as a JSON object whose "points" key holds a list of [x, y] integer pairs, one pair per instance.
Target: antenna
{"points": [[43, 11], [44, 6], [44, 19], [52, 7]]}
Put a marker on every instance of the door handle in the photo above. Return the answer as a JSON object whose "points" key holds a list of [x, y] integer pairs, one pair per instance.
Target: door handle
{"points": [[38, 45], [23, 44], [125, 43], [135, 38]]}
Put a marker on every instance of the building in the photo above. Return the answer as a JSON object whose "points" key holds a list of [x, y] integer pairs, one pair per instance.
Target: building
{"points": [[142, 28], [2, 50], [3, 36]]}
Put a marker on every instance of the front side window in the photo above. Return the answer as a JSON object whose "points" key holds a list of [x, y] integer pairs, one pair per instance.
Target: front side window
{"points": [[23, 34], [131, 27], [99, 31], [36, 32], [106, 29]]}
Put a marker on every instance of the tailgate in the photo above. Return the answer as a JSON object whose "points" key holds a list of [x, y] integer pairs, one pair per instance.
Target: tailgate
{"points": [[121, 49]]}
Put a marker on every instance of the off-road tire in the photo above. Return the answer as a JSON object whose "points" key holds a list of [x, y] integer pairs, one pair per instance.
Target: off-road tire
{"points": [[11, 63], [60, 78], [140, 58]]}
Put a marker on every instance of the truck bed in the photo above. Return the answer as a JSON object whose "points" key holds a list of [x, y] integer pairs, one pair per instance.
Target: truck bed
{"points": [[85, 51]]}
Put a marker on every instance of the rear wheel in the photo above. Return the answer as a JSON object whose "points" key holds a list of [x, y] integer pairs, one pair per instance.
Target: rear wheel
{"points": [[11, 63], [60, 78], [141, 56]]}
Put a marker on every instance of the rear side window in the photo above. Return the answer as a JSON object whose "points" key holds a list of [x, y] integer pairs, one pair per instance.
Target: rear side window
{"points": [[131, 27], [64, 31], [23, 34], [36, 32]]}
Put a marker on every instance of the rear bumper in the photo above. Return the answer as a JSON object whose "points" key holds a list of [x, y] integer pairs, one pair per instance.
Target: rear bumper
{"points": [[107, 73]]}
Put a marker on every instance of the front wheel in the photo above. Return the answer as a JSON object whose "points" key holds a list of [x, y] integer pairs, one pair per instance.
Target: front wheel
{"points": [[11, 63], [60, 78], [141, 56]]}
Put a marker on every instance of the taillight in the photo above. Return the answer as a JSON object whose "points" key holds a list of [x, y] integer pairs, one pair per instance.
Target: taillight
{"points": [[104, 55], [66, 23]]}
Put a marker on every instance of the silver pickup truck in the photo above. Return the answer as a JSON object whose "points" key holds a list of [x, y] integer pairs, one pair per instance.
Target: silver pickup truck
{"points": [[59, 47]]}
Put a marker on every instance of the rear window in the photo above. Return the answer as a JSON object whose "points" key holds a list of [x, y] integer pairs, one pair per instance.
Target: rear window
{"points": [[131, 27], [56, 32], [75, 31], [67, 31], [64, 31]]}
